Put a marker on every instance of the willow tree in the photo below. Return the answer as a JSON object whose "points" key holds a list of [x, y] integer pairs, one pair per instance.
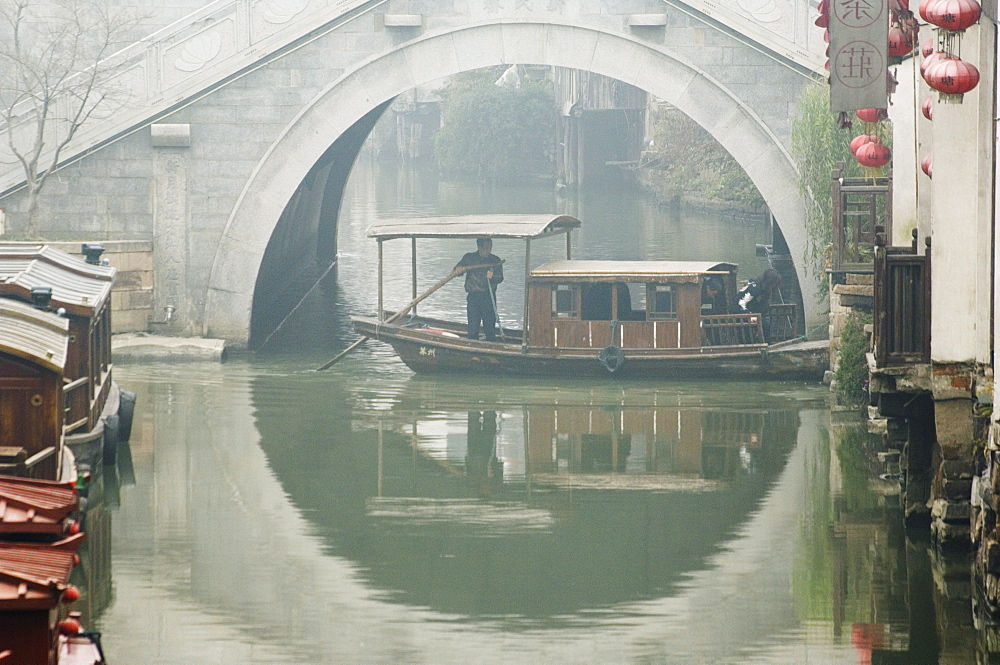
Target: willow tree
{"points": [[54, 76], [818, 144]]}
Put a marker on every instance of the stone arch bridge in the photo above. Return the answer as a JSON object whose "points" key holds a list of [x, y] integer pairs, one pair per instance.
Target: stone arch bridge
{"points": [[249, 113]]}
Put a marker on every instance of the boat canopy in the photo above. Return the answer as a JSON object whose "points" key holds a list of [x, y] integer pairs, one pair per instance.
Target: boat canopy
{"points": [[586, 270], [30, 333], [473, 226], [80, 287]]}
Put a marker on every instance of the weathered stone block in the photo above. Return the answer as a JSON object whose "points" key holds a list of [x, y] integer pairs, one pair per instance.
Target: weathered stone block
{"points": [[962, 468], [956, 490], [946, 533], [953, 420], [951, 512]]}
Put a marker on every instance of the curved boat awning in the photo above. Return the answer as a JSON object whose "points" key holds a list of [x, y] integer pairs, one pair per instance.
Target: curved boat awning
{"points": [[37, 336], [630, 270], [473, 226], [79, 287]]}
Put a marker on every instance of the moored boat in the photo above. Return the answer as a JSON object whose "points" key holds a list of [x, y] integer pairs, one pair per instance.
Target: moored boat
{"points": [[628, 319], [75, 295]]}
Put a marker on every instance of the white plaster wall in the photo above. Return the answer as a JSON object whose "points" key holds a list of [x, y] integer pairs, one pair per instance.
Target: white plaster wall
{"points": [[961, 213], [911, 141], [431, 57]]}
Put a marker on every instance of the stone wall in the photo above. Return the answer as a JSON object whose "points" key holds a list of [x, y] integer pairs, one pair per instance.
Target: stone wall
{"points": [[132, 292]]}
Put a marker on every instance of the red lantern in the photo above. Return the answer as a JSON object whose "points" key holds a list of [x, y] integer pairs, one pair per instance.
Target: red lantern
{"points": [[927, 47], [927, 108], [953, 15], [899, 42], [72, 528], [859, 141], [952, 77], [872, 115], [924, 7], [70, 627], [929, 62], [70, 594], [873, 155], [926, 166]]}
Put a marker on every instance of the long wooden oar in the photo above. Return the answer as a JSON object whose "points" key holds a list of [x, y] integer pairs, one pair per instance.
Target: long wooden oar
{"points": [[413, 303]]}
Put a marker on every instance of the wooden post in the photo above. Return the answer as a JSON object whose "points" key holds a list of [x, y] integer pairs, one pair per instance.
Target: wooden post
{"points": [[524, 315], [381, 310], [413, 269]]}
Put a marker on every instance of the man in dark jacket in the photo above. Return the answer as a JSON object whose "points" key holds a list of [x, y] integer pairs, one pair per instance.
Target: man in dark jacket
{"points": [[756, 297], [481, 287]]}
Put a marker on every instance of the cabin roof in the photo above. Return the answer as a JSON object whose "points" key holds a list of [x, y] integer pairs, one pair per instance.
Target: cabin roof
{"points": [[80, 287], [584, 268], [472, 226], [33, 576], [28, 505], [35, 335]]}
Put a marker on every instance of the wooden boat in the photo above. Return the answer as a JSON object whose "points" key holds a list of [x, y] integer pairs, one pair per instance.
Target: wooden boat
{"points": [[75, 295], [587, 318], [39, 541]]}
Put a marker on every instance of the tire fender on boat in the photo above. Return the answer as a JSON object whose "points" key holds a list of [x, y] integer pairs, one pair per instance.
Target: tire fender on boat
{"points": [[611, 358], [126, 410], [112, 427]]}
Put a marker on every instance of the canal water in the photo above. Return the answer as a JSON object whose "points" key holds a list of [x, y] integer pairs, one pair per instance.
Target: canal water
{"points": [[268, 513]]}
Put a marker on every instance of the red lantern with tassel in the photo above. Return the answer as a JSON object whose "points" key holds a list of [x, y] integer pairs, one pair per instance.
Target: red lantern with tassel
{"points": [[953, 15], [926, 166], [952, 77]]}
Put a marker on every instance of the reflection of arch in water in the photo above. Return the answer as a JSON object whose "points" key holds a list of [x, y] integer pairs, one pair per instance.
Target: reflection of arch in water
{"points": [[419, 531]]}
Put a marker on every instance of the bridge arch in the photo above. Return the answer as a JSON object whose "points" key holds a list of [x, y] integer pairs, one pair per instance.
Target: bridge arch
{"points": [[372, 82]]}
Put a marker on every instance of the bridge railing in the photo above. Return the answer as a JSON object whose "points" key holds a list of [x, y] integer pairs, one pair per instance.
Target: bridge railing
{"points": [[177, 62]]}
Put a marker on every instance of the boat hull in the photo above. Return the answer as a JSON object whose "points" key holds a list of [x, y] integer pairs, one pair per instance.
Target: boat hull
{"points": [[439, 351]]}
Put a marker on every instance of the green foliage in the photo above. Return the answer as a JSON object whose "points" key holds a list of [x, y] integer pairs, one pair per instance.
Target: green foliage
{"points": [[693, 164], [817, 145], [496, 133], [852, 367]]}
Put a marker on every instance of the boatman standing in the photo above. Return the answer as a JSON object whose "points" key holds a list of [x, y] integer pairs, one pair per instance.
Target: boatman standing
{"points": [[481, 288]]}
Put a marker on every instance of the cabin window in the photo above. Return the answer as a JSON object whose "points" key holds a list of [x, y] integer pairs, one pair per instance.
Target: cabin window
{"points": [[662, 301], [564, 302]]}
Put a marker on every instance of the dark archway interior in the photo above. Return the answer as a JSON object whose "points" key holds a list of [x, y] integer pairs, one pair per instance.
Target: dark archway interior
{"points": [[303, 246]]}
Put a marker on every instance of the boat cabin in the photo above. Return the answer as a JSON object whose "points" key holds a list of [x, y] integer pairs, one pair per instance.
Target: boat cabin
{"points": [[33, 350], [55, 281], [637, 305]]}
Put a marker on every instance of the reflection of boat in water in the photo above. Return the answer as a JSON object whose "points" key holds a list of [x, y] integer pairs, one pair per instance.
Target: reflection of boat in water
{"points": [[648, 319], [521, 521]]}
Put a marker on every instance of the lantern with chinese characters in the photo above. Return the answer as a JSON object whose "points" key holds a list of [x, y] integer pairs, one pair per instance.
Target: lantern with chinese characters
{"points": [[952, 78], [873, 155], [899, 42], [927, 47], [861, 140], [952, 15], [927, 108], [926, 166]]}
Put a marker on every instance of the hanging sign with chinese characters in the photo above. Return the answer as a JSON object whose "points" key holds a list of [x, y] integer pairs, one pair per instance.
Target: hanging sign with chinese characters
{"points": [[859, 34]]}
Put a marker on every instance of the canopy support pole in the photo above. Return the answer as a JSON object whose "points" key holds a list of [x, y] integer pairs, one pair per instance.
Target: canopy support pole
{"points": [[524, 317], [381, 309], [413, 269]]}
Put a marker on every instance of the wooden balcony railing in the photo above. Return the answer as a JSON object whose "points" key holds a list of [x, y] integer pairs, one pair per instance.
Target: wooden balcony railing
{"points": [[901, 333], [859, 205]]}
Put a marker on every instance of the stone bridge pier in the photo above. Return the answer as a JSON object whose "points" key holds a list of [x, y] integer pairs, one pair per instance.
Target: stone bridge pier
{"points": [[234, 171]]}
